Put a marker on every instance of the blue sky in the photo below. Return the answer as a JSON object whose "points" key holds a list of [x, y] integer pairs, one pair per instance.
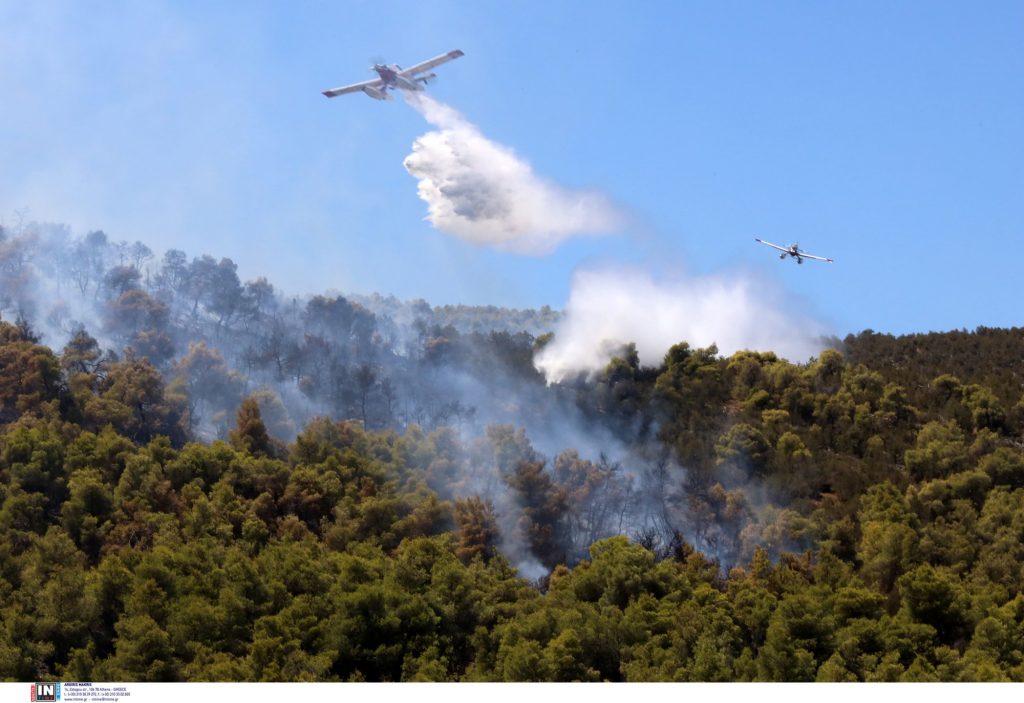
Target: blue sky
{"points": [[888, 135]]}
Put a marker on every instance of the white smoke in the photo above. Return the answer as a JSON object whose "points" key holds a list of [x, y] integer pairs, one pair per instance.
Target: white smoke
{"points": [[483, 193], [610, 308]]}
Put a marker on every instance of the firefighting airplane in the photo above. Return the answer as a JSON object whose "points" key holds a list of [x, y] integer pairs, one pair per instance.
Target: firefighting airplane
{"points": [[794, 251], [394, 76]]}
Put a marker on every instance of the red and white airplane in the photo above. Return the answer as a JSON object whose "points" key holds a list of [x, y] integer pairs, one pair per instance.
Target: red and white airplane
{"points": [[391, 76], [794, 251]]}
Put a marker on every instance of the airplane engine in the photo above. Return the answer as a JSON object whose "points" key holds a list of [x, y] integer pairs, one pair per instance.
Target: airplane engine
{"points": [[377, 93]]}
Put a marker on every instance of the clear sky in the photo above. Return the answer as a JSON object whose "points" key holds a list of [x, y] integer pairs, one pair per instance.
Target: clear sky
{"points": [[888, 135]]}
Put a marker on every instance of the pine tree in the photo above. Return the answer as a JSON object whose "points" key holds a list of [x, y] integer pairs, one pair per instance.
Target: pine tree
{"points": [[250, 434]]}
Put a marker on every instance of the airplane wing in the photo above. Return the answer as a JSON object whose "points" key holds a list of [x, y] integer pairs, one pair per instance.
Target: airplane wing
{"points": [[429, 64], [773, 246], [335, 92], [816, 258]]}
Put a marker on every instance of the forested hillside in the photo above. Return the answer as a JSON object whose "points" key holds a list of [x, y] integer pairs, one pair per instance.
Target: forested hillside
{"points": [[206, 480]]}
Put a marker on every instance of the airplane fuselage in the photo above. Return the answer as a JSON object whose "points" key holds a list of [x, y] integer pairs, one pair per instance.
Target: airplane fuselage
{"points": [[393, 79], [794, 251]]}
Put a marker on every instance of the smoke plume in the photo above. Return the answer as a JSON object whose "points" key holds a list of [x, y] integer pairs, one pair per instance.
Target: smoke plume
{"points": [[483, 193], [610, 308]]}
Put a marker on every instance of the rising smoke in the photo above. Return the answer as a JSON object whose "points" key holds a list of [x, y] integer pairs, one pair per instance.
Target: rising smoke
{"points": [[483, 193], [610, 308]]}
